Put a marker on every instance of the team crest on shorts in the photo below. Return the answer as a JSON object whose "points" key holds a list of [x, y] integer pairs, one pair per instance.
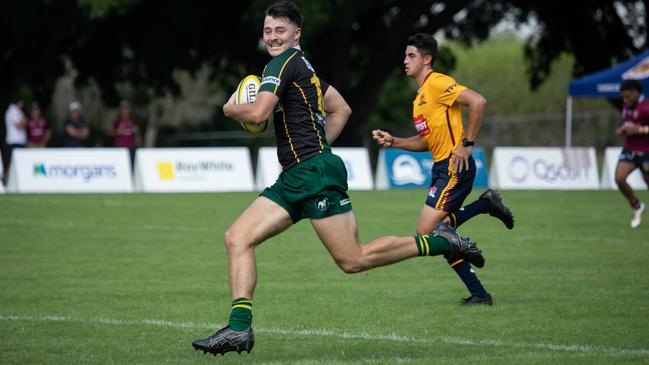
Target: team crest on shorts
{"points": [[322, 204], [432, 191]]}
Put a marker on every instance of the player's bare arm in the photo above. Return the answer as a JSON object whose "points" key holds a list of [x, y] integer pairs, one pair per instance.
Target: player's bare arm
{"points": [[476, 104], [338, 112], [256, 112], [385, 139]]}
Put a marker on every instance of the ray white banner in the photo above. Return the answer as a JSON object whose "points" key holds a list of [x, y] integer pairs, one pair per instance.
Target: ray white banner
{"points": [[70, 170], [357, 163], [193, 169], [544, 168]]}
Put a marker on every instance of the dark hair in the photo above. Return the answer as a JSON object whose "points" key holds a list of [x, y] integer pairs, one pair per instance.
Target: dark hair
{"points": [[425, 44], [286, 9], [631, 85]]}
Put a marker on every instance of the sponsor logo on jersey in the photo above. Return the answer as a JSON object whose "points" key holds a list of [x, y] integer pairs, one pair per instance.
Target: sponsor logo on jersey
{"points": [[308, 65], [271, 80], [421, 125], [450, 88], [422, 100]]}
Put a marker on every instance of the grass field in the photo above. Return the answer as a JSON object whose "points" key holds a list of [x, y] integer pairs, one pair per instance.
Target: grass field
{"points": [[133, 279]]}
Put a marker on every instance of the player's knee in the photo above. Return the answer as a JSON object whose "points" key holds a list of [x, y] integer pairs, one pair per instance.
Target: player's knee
{"points": [[351, 266], [620, 180], [233, 240]]}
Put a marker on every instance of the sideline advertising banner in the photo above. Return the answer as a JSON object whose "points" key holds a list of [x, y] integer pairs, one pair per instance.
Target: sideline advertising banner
{"points": [[70, 170], [544, 168], [611, 157], [167, 170], [357, 162], [400, 169]]}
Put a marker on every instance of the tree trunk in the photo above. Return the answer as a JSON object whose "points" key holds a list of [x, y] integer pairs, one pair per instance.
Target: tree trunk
{"points": [[152, 127]]}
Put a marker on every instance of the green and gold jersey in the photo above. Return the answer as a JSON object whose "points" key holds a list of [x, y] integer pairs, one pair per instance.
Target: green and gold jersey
{"points": [[299, 114]]}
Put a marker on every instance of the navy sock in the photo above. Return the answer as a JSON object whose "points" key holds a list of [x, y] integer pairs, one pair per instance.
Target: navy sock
{"points": [[468, 276], [463, 214]]}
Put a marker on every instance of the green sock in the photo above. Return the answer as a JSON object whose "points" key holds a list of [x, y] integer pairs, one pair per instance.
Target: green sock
{"points": [[241, 314], [429, 245]]}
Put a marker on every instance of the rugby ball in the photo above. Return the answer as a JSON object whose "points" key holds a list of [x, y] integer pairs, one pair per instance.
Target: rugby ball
{"points": [[247, 93]]}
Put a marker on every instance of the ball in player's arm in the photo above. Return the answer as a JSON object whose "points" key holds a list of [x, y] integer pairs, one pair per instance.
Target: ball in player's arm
{"points": [[308, 115], [437, 118]]}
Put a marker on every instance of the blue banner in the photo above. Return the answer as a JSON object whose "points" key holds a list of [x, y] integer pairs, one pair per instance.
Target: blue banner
{"points": [[407, 170]]}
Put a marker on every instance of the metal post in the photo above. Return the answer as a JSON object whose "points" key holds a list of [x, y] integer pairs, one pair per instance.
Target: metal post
{"points": [[569, 121]]}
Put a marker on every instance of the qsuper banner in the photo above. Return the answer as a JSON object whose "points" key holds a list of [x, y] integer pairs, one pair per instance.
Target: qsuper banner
{"points": [[70, 170], [400, 169], [611, 157], [193, 169], [544, 168], [357, 163]]}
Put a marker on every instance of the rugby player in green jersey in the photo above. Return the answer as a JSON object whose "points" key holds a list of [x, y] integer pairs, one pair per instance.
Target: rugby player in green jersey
{"points": [[308, 116]]}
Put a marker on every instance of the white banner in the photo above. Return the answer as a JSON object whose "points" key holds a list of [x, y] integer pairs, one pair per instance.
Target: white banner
{"points": [[193, 169], [544, 168], [357, 162], [268, 168], [611, 156], [70, 170]]}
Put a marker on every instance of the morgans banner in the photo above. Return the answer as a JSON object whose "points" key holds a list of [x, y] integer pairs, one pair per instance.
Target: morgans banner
{"points": [[193, 169], [544, 168], [70, 170]]}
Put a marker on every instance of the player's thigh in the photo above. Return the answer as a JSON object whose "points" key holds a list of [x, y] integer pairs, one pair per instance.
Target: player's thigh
{"points": [[339, 234], [261, 220], [623, 169], [429, 217]]}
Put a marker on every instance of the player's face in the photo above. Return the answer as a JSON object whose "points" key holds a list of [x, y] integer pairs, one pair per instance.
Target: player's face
{"points": [[630, 97], [279, 35], [414, 63]]}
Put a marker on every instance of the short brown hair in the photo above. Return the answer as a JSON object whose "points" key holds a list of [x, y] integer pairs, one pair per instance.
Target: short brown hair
{"points": [[286, 9]]}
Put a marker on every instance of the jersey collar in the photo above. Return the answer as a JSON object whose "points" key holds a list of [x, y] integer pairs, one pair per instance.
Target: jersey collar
{"points": [[425, 78]]}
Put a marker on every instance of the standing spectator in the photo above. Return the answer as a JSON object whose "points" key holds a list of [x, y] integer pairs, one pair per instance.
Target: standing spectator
{"points": [[38, 130], [16, 135], [75, 130], [123, 129]]}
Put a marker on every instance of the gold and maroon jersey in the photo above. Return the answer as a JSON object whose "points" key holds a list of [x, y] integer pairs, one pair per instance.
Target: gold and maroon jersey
{"points": [[436, 115]]}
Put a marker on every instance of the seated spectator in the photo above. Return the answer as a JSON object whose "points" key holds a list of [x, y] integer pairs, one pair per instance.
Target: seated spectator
{"points": [[75, 131], [38, 130]]}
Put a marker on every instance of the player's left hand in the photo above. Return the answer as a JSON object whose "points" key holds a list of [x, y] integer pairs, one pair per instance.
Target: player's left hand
{"points": [[460, 158], [229, 104]]}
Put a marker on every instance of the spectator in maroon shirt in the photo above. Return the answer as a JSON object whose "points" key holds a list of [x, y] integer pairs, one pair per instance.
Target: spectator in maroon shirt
{"points": [[635, 153], [38, 130], [123, 129]]}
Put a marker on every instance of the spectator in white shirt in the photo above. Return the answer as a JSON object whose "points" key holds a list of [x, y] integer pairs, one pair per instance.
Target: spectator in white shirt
{"points": [[15, 123]]}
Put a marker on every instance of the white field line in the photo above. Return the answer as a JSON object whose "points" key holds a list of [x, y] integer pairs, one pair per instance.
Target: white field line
{"points": [[574, 348], [68, 225]]}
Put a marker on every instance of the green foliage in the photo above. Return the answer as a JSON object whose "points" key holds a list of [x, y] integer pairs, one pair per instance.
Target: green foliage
{"points": [[128, 279]]}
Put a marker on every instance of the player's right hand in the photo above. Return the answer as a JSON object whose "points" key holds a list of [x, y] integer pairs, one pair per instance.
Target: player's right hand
{"points": [[383, 138]]}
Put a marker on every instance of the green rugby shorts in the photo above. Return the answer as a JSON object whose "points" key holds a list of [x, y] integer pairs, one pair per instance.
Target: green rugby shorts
{"points": [[315, 188]]}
